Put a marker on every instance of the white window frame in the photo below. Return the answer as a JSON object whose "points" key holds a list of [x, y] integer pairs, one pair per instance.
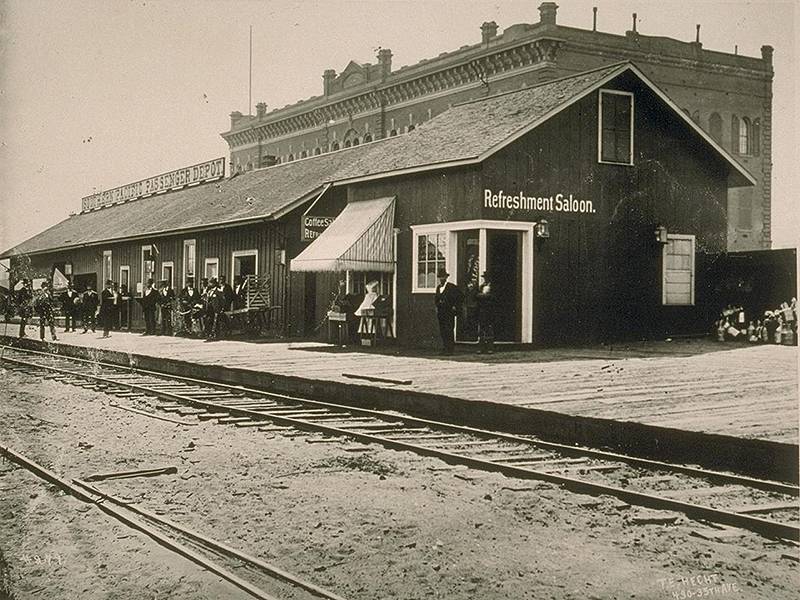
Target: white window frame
{"points": [[171, 265], [483, 225], [420, 231], [107, 271], [125, 269], [210, 261], [677, 236], [239, 253], [190, 243], [600, 126]]}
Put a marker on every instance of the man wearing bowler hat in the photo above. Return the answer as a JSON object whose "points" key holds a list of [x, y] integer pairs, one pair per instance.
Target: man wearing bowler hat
{"points": [[448, 302]]}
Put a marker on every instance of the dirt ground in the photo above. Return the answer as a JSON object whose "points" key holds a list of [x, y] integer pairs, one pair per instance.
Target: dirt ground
{"points": [[364, 522]]}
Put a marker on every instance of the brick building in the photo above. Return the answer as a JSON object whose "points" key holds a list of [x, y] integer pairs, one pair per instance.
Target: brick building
{"points": [[728, 95]]}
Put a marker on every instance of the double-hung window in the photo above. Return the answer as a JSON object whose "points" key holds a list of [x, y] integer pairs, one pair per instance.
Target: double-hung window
{"points": [[429, 257], [616, 127], [678, 270]]}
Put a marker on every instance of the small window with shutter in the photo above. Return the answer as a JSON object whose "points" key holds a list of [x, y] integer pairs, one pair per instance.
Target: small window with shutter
{"points": [[678, 270]]}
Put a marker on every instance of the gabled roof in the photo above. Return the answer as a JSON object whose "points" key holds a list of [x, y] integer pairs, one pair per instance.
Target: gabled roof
{"points": [[465, 134], [470, 132]]}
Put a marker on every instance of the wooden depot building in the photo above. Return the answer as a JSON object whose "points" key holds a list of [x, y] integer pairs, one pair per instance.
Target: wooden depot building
{"points": [[596, 204]]}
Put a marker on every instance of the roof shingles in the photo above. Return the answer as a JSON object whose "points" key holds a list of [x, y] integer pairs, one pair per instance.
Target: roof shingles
{"points": [[465, 131]]}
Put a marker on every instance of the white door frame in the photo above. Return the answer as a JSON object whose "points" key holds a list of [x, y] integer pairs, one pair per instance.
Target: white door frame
{"points": [[528, 236], [239, 253]]}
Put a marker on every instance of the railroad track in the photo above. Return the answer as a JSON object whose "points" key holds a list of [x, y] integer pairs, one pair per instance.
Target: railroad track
{"points": [[769, 508]]}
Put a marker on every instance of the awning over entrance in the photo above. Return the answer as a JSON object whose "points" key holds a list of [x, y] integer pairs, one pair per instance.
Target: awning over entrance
{"points": [[359, 239]]}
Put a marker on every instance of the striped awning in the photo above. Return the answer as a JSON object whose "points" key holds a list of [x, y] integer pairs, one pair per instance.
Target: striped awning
{"points": [[359, 239]]}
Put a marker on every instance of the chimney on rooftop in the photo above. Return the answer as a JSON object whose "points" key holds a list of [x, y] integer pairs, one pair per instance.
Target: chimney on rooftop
{"points": [[235, 116], [385, 61], [327, 81], [547, 13], [261, 109], [766, 54], [488, 31]]}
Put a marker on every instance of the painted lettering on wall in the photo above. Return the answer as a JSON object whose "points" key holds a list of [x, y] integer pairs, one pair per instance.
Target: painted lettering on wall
{"points": [[212, 169], [520, 201]]}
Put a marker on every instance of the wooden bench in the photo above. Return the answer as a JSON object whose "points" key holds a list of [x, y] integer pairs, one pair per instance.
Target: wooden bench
{"points": [[258, 314]]}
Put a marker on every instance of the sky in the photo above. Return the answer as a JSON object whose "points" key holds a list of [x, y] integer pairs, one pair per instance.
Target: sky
{"points": [[96, 94]]}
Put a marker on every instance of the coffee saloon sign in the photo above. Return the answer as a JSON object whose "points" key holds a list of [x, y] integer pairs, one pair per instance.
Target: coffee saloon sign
{"points": [[314, 226], [207, 171], [560, 203]]}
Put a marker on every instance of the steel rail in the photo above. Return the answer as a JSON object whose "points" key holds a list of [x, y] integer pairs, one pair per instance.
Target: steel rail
{"points": [[717, 476], [120, 515], [765, 527]]}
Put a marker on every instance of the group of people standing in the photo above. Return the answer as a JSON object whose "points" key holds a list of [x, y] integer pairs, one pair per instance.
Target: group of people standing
{"points": [[207, 305], [85, 306], [449, 300], [204, 306]]}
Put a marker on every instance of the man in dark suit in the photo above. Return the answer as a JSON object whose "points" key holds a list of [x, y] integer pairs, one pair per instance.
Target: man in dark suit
{"points": [[166, 300], [149, 303], [24, 298], [68, 305], [109, 301], [89, 305], [448, 302], [239, 291], [216, 307], [190, 302], [44, 308], [227, 292]]}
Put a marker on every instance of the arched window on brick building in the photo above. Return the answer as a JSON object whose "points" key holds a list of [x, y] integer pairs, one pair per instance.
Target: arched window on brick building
{"points": [[715, 127], [347, 143], [303, 154], [291, 158], [744, 136], [335, 146], [367, 138], [355, 142], [317, 151], [735, 133]]}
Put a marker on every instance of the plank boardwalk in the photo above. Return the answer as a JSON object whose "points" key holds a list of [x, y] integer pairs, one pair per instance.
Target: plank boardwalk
{"points": [[697, 385]]}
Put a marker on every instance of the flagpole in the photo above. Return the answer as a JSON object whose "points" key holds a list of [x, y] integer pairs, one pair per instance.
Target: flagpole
{"points": [[250, 89]]}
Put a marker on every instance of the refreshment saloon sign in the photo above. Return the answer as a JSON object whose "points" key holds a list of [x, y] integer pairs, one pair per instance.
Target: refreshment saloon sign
{"points": [[212, 169], [520, 201]]}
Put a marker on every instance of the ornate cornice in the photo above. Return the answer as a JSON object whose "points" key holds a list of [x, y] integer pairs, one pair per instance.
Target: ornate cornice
{"points": [[476, 69]]}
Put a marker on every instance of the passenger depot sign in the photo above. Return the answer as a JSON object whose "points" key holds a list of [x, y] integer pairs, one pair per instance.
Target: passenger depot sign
{"points": [[212, 169], [560, 203]]}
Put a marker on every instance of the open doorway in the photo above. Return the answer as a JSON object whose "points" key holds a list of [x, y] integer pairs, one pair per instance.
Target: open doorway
{"points": [[245, 262], [504, 263]]}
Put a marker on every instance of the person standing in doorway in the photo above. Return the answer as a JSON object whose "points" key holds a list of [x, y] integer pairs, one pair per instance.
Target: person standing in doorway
{"points": [[448, 301], [486, 314], [44, 308], [149, 304], [109, 299], [24, 298], [89, 304]]}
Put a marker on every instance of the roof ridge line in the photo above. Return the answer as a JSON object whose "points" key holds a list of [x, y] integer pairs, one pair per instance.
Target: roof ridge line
{"points": [[543, 83]]}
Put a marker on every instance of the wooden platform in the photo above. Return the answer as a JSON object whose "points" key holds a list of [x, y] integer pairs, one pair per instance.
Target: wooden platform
{"points": [[695, 385]]}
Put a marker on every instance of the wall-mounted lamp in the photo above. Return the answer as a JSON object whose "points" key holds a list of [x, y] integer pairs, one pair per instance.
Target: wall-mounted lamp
{"points": [[661, 234], [543, 229]]}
